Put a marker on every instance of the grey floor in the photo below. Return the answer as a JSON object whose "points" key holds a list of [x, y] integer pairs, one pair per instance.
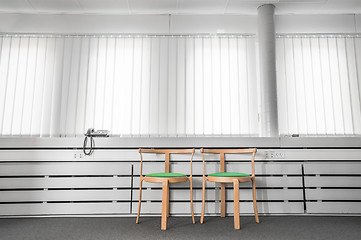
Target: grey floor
{"points": [[284, 227]]}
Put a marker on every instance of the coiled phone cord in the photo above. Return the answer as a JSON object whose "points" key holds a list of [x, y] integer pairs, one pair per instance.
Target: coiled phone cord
{"points": [[92, 145]]}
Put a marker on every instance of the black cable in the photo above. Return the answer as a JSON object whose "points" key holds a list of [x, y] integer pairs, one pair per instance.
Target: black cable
{"points": [[92, 145]]}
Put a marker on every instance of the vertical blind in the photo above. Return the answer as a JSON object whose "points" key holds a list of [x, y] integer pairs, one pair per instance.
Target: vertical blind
{"points": [[319, 84], [130, 85]]}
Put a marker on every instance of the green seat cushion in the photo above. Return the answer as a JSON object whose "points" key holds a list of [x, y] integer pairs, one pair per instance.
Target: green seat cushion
{"points": [[163, 174], [229, 174]]}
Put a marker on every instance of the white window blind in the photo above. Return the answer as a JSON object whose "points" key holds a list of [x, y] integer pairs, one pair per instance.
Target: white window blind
{"points": [[130, 85], [319, 84]]}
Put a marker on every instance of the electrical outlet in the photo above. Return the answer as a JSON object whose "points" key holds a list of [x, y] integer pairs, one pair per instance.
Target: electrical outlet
{"points": [[280, 155], [78, 155], [274, 155]]}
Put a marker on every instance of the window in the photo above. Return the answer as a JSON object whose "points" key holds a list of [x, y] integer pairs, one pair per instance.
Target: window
{"points": [[319, 84], [130, 85]]}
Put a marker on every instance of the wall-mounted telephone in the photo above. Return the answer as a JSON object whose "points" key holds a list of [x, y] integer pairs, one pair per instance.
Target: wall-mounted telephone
{"points": [[99, 133], [91, 133]]}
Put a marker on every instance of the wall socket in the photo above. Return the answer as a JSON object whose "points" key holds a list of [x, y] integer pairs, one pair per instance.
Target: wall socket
{"points": [[78, 155], [274, 155]]}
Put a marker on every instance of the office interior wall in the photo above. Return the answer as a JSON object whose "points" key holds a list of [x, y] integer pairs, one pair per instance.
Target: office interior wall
{"points": [[358, 23], [208, 24], [106, 184], [155, 24], [174, 24], [345, 23], [82, 24]]}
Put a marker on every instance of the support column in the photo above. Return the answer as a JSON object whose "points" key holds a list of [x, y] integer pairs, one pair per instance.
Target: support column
{"points": [[268, 113]]}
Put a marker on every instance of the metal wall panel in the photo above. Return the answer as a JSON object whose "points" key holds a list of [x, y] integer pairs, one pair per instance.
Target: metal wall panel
{"points": [[38, 188], [57, 182], [63, 208], [333, 187]]}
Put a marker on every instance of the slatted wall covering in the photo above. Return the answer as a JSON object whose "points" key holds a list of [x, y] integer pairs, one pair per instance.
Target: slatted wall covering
{"points": [[333, 187], [47, 183], [279, 187], [130, 85], [319, 84], [294, 181]]}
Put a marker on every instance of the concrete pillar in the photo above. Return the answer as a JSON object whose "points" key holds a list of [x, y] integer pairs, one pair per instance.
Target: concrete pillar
{"points": [[268, 113]]}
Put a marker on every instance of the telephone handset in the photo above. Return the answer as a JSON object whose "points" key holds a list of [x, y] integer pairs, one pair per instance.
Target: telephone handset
{"points": [[92, 134], [99, 133]]}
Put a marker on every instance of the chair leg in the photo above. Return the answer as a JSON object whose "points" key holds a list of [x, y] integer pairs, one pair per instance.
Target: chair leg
{"points": [[168, 201], [140, 200], [236, 203], [254, 200], [223, 200], [203, 200], [191, 189], [164, 204]]}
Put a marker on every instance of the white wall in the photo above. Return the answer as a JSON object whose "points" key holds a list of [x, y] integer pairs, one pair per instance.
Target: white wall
{"points": [[73, 24], [317, 23], [156, 24], [358, 23], [177, 24], [213, 24]]}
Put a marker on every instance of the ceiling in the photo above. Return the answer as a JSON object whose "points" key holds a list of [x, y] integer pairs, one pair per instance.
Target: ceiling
{"points": [[178, 6]]}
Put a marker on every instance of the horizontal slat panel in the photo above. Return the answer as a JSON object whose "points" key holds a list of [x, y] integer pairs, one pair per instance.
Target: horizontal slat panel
{"points": [[183, 167], [65, 182], [133, 155], [197, 183], [260, 168], [66, 155], [64, 208], [73, 168], [334, 207], [332, 168], [245, 194], [112, 155], [333, 194], [214, 208], [152, 142], [324, 142], [216, 157], [278, 181], [319, 154], [269, 181], [64, 195], [266, 168], [289, 155], [36, 155], [323, 181]]}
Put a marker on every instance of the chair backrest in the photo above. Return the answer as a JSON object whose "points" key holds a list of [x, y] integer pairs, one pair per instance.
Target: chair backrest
{"points": [[167, 153], [222, 152]]}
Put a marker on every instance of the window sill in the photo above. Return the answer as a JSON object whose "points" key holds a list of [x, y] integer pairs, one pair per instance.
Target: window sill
{"points": [[179, 142]]}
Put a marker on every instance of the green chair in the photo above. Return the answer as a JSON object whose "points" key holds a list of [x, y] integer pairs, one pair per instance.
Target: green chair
{"points": [[229, 177], [165, 178]]}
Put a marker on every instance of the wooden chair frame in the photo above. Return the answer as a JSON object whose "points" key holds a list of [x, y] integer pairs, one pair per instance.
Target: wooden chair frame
{"points": [[234, 180], [165, 181]]}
